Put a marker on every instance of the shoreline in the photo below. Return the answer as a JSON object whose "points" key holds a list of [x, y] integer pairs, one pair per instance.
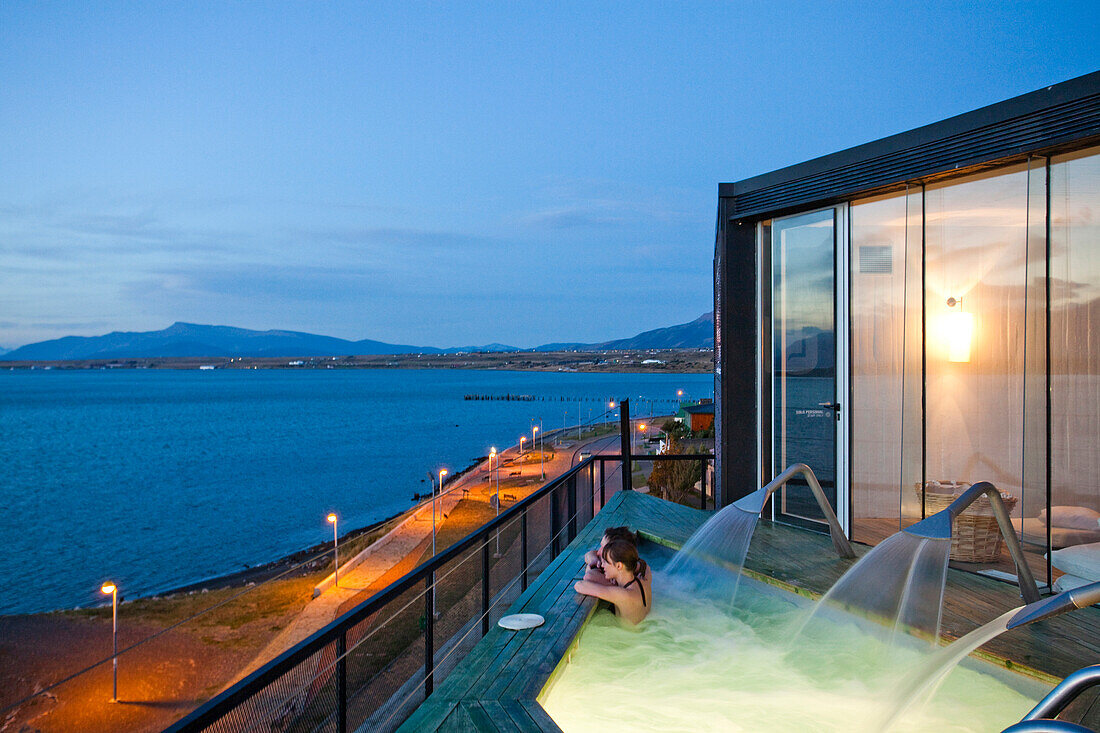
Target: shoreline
{"points": [[645, 361]]}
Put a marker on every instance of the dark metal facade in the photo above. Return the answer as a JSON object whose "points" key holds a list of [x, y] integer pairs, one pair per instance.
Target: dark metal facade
{"points": [[1058, 118]]}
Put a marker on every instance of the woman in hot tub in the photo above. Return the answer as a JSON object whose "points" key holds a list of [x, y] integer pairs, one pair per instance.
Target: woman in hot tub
{"points": [[629, 586]]}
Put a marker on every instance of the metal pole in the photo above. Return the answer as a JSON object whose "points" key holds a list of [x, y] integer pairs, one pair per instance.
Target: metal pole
{"points": [[114, 639], [572, 508], [603, 473], [542, 453], [485, 586], [342, 681], [429, 633], [703, 485], [523, 549], [335, 555], [625, 434]]}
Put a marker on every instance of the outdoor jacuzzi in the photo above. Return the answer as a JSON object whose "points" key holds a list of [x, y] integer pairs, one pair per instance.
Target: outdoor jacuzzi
{"points": [[692, 666]]}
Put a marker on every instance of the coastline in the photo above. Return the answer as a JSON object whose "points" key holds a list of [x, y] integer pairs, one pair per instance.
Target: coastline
{"points": [[648, 361]]}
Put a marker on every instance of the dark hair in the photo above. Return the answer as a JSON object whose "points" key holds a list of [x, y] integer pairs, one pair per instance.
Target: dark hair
{"points": [[620, 533], [626, 553]]}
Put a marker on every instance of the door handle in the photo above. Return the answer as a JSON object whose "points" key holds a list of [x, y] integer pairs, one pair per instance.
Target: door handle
{"points": [[834, 406]]}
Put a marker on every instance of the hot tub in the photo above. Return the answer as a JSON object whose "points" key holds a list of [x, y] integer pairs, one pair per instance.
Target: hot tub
{"points": [[694, 666]]}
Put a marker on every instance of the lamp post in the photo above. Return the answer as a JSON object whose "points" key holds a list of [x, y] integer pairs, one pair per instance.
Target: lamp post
{"points": [[641, 429], [111, 589], [542, 454], [335, 551], [442, 473], [492, 455], [521, 439]]}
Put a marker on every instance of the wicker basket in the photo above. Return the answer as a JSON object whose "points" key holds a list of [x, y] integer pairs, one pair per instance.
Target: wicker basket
{"points": [[975, 536]]}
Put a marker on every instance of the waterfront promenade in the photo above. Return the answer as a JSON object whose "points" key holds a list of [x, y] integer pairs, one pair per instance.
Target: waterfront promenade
{"points": [[162, 680]]}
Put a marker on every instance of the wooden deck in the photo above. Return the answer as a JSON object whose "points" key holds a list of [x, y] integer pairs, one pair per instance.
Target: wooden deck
{"points": [[495, 687]]}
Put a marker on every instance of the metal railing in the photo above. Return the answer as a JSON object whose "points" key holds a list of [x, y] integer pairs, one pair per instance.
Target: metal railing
{"points": [[365, 671]]}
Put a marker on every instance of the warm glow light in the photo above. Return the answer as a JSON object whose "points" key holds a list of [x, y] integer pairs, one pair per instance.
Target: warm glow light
{"points": [[535, 429], [108, 588], [492, 451], [641, 426], [331, 518], [611, 404], [442, 472], [679, 393], [958, 334]]}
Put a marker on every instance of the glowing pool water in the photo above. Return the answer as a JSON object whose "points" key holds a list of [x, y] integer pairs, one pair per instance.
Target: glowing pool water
{"points": [[690, 667]]}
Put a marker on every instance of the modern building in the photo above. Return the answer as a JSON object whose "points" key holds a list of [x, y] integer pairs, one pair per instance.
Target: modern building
{"points": [[918, 312]]}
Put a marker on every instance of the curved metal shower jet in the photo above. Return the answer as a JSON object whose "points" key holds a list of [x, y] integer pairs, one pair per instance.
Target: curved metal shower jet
{"points": [[938, 527], [754, 503], [1042, 717]]}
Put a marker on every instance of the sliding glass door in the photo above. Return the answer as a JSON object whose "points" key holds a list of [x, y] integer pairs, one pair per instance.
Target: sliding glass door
{"points": [[807, 410]]}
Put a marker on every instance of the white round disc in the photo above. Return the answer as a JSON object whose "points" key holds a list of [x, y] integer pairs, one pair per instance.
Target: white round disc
{"points": [[518, 621]]}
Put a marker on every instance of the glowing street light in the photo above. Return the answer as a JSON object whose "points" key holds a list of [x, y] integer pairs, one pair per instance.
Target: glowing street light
{"points": [[492, 455], [335, 551], [542, 455], [641, 429], [442, 473], [110, 589], [521, 439]]}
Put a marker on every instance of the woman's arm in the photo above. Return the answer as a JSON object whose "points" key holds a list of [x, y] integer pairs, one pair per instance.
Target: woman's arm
{"points": [[609, 593]]}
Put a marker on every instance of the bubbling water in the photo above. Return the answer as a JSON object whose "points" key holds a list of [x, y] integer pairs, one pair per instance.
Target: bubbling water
{"points": [[710, 562], [691, 666]]}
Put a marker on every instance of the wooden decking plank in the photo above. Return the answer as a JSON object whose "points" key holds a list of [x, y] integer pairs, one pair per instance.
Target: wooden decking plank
{"points": [[481, 719], [510, 716], [540, 716], [430, 715], [548, 585], [560, 616]]}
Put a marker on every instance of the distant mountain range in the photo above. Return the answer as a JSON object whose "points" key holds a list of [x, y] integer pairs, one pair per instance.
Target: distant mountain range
{"points": [[190, 339]]}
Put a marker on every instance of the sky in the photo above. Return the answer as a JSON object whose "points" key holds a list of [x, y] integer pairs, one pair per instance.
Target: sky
{"points": [[445, 173]]}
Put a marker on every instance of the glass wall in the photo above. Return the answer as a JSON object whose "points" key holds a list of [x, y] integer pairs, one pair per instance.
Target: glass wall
{"points": [[953, 286], [1074, 516], [878, 231]]}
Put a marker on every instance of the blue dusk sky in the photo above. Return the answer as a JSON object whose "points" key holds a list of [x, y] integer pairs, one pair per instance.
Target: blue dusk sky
{"points": [[445, 173]]}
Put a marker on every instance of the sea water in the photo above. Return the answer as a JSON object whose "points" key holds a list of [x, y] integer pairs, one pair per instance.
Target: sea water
{"points": [[159, 478], [693, 666]]}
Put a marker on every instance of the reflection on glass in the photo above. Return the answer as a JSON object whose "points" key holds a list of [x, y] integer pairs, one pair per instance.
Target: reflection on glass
{"points": [[804, 353], [975, 256], [1074, 518], [877, 292]]}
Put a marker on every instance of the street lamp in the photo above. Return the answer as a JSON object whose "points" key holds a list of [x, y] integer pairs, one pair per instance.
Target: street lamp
{"points": [[641, 429], [335, 551], [111, 589], [542, 455], [521, 439], [442, 473], [492, 455]]}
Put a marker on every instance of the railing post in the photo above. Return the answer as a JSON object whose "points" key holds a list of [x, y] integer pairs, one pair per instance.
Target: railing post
{"points": [[571, 534], [429, 633], [485, 586], [523, 550], [342, 681], [703, 485], [624, 439], [603, 475], [555, 521], [592, 486]]}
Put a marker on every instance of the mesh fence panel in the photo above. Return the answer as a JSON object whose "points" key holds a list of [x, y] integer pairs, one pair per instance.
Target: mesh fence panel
{"points": [[377, 665]]}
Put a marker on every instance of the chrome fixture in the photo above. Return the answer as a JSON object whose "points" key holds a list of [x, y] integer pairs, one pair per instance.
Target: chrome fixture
{"points": [[938, 527], [754, 503]]}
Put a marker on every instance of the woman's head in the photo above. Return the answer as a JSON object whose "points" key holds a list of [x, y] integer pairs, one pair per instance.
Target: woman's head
{"points": [[618, 533], [620, 560]]}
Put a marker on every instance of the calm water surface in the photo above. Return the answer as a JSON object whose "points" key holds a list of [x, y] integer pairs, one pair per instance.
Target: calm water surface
{"points": [[159, 478]]}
